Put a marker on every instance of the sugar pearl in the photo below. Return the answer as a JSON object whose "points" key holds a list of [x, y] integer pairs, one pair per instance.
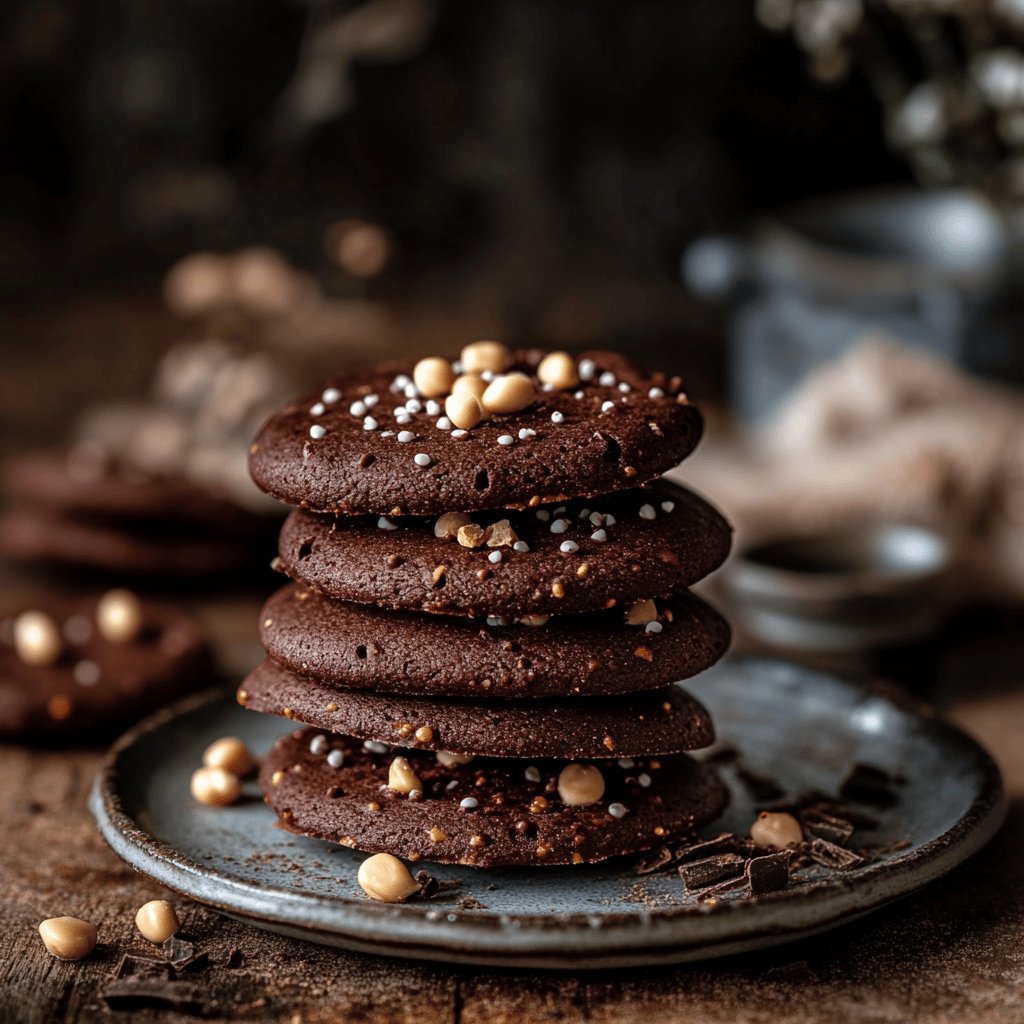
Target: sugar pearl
{"points": [[433, 408], [331, 395], [317, 410], [444, 423], [385, 524], [647, 512], [532, 774], [607, 406], [375, 747], [570, 547], [370, 423], [600, 536], [526, 433], [422, 459], [86, 673], [469, 803], [624, 387], [543, 515], [607, 379], [405, 436], [557, 417], [653, 627], [317, 432], [318, 745], [336, 758], [370, 400], [520, 546], [559, 526], [357, 408], [506, 440], [587, 369], [402, 418], [494, 557], [617, 810], [414, 405], [644, 779], [667, 506], [655, 393]]}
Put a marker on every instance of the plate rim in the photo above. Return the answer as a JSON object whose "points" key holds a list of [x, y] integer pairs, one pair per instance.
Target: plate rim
{"points": [[483, 936]]}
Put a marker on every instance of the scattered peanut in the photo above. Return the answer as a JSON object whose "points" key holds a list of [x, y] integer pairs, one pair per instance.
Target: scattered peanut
{"points": [[470, 384], [433, 377], [508, 393], [559, 370], [215, 787], [465, 411], [485, 355], [385, 878], [231, 754], [68, 938], [157, 921], [580, 784], [776, 830]]}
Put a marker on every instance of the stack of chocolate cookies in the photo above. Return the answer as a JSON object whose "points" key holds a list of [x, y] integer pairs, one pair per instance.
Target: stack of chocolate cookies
{"points": [[489, 613]]}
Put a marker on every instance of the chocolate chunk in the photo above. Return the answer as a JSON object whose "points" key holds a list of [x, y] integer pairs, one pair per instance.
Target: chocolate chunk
{"points": [[769, 873], [827, 826], [700, 874], [662, 857], [829, 855]]}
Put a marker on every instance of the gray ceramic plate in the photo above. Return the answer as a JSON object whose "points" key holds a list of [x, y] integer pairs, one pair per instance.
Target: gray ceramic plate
{"points": [[802, 728]]}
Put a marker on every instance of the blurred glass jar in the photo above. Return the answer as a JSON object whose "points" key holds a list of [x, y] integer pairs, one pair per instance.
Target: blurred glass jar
{"points": [[935, 270]]}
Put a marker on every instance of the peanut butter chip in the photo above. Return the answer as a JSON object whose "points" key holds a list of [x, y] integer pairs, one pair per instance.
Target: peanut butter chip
{"points": [[68, 938], [385, 878], [776, 831], [642, 612]]}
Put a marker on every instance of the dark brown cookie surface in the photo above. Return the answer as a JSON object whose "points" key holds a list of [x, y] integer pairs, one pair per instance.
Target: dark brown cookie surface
{"points": [[558, 560], [667, 721], [97, 687], [361, 647], [487, 813], [344, 456]]}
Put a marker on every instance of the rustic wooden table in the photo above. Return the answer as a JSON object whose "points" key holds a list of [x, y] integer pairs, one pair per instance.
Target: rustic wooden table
{"points": [[949, 953]]}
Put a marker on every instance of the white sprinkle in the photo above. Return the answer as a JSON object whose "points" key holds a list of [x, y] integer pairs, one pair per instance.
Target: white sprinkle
{"points": [[609, 520], [433, 408], [457, 367], [655, 393], [370, 423], [587, 369], [411, 391], [506, 440], [532, 774], [570, 547], [578, 395], [317, 410], [415, 794], [526, 433], [543, 515], [444, 423], [469, 803], [459, 432], [497, 620], [624, 387], [607, 379], [316, 431], [667, 506], [644, 779], [387, 433], [451, 785], [336, 758], [596, 518], [318, 745], [370, 401], [647, 512], [402, 418], [405, 436], [376, 747], [400, 383], [494, 557], [520, 545], [487, 375], [607, 406], [385, 524], [414, 405], [600, 536], [86, 673], [422, 459], [653, 627], [357, 408], [617, 810], [557, 417], [560, 510], [331, 395], [559, 525]]}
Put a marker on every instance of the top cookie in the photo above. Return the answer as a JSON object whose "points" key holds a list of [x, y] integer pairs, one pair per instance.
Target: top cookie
{"points": [[375, 443]]}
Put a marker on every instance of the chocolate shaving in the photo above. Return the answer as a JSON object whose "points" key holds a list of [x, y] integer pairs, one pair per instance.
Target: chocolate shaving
{"points": [[769, 873], [827, 826], [684, 853], [661, 858], [829, 855], [700, 874], [431, 886]]}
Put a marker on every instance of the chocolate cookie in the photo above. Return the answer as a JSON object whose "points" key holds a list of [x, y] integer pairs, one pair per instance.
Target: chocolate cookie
{"points": [[360, 647], [666, 721], [487, 813], [39, 537], [95, 687], [578, 557], [358, 446]]}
